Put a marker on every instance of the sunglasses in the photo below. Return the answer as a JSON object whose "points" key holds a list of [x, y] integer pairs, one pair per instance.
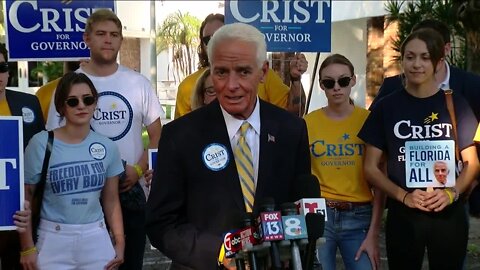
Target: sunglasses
{"points": [[3, 67], [206, 39], [74, 101], [330, 83]]}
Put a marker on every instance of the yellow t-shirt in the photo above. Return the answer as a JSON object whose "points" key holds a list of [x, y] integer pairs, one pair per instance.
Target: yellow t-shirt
{"points": [[337, 155], [45, 95], [273, 90], [4, 108], [477, 134]]}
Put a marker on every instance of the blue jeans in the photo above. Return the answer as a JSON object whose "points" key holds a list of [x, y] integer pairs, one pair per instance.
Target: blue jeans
{"points": [[345, 230]]}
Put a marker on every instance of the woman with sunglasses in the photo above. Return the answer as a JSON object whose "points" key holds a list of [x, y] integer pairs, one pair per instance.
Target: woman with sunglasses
{"points": [[81, 188], [203, 93], [411, 128], [336, 153]]}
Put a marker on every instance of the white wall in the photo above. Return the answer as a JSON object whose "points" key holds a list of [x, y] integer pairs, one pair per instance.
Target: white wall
{"points": [[349, 38]]}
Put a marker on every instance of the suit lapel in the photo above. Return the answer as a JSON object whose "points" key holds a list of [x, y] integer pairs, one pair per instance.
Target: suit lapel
{"points": [[216, 131], [15, 108], [268, 135]]}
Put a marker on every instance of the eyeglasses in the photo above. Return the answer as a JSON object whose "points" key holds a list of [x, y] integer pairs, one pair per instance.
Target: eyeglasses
{"points": [[209, 91], [206, 39], [3, 67], [74, 101], [330, 83]]}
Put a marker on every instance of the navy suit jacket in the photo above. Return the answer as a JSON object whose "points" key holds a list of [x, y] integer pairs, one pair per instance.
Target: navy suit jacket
{"points": [[190, 206], [27, 106], [463, 82]]}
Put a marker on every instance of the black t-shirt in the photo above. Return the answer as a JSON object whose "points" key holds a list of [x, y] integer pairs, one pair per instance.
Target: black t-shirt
{"points": [[401, 117]]}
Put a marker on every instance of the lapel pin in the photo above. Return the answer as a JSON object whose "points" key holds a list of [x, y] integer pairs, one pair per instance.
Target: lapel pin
{"points": [[271, 138]]}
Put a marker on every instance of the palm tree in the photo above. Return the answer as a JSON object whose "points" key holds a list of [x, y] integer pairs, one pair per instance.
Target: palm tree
{"points": [[179, 32], [415, 11], [468, 13]]}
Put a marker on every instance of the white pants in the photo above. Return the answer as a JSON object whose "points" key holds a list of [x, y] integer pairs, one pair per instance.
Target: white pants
{"points": [[73, 246]]}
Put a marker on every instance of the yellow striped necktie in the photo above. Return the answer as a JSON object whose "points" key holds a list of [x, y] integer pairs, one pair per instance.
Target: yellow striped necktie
{"points": [[244, 161]]}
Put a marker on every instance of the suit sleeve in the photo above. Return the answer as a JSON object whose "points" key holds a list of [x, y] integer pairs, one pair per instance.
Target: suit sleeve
{"points": [[166, 217]]}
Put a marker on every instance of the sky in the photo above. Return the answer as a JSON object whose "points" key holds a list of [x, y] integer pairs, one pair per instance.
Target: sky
{"points": [[199, 9]]}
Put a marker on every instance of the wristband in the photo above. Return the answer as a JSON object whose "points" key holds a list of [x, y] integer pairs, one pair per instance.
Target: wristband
{"points": [[28, 251], [454, 190], [404, 197], [138, 169], [450, 196]]}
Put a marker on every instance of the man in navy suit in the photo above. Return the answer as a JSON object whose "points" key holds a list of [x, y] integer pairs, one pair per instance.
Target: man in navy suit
{"points": [[196, 194], [448, 77]]}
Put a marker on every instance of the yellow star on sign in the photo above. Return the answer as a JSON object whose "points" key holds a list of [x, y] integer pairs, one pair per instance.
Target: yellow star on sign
{"points": [[113, 106], [434, 116]]}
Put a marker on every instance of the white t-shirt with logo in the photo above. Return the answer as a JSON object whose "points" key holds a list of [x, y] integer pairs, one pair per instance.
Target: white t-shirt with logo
{"points": [[75, 177], [127, 102]]}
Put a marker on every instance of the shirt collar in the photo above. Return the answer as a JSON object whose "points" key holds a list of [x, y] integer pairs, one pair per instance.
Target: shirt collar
{"points": [[233, 124], [446, 83]]}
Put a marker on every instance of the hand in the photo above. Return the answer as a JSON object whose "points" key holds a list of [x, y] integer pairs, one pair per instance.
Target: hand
{"points": [[23, 218], [29, 262], [118, 260], [229, 263], [298, 66], [437, 200], [148, 177], [417, 198], [370, 246], [131, 178]]}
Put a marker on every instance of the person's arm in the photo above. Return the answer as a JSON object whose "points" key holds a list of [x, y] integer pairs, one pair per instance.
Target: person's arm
{"points": [[370, 244], [113, 214], [29, 260], [131, 174], [296, 95]]}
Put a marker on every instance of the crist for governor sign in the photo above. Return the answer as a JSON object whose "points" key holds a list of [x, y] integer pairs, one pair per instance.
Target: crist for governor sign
{"points": [[288, 26], [49, 29], [11, 170]]}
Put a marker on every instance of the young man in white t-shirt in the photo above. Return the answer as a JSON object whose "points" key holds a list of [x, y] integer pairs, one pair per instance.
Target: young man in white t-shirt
{"points": [[126, 103]]}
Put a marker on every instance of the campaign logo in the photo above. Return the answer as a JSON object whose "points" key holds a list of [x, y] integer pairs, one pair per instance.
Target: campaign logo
{"points": [[215, 156], [28, 115], [113, 116], [98, 151]]}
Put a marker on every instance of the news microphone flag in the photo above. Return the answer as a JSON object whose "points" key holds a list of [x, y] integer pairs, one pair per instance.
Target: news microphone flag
{"points": [[312, 205]]}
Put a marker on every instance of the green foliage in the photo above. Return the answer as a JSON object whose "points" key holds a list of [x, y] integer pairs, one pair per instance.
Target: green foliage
{"points": [[51, 70], [180, 33], [409, 13]]}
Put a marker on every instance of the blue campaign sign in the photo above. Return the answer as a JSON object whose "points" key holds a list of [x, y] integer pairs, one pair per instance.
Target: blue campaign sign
{"points": [[49, 30], [152, 158], [288, 26], [11, 170]]}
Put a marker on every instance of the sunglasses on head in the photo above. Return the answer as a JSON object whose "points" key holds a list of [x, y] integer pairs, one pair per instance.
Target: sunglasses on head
{"points": [[3, 67], [209, 91], [74, 101], [330, 83], [206, 39]]}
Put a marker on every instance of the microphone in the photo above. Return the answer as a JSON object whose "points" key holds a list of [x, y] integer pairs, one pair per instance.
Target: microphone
{"points": [[271, 230], [294, 228], [249, 240], [315, 226]]}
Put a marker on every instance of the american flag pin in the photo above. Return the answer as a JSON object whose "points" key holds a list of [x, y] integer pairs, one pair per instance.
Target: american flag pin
{"points": [[271, 138]]}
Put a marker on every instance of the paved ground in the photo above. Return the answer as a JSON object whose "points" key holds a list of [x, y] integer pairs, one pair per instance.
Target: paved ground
{"points": [[154, 260]]}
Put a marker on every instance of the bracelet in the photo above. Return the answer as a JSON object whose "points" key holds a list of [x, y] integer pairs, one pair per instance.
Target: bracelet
{"points": [[28, 251], [404, 197], [138, 169], [221, 255], [450, 196], [454, 190]]}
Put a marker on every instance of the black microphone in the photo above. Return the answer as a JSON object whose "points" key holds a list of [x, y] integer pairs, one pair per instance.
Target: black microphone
{"points": [[294, 229], [315, 226], [306, 186], [249, 240], [270, 228]]}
